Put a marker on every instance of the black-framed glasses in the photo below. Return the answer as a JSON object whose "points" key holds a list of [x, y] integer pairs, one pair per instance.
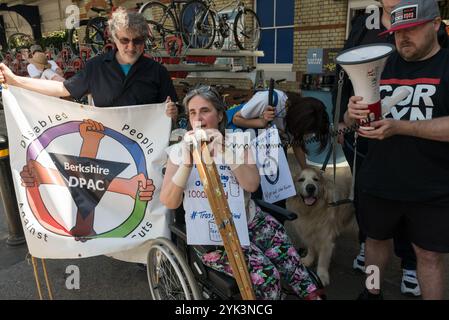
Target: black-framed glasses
{"points": [[137, 41]]}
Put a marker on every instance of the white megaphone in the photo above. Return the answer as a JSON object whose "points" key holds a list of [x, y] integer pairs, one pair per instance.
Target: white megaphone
{"points": [[364, 66]]}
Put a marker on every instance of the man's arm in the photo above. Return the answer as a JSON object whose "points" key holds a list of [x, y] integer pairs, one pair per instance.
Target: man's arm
{"points": [[47, 87], [436, 129], [255, 123]]}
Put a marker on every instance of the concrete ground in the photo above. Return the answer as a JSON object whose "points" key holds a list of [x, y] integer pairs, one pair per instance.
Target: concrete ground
{"points": [[108, 279]]}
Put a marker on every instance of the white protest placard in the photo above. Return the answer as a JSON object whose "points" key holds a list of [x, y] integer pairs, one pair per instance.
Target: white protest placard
{"points": [[275, 176], [83, 175], [200, 223]]}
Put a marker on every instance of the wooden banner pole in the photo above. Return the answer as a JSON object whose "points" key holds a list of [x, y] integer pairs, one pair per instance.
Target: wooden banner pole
{"points": [[223, 218]]}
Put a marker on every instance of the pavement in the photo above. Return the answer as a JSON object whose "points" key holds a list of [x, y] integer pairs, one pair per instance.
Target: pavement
{"points": [[104, 278]]}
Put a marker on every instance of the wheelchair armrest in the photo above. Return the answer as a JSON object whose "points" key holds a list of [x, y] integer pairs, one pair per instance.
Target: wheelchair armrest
{"points": [[277, 212]]}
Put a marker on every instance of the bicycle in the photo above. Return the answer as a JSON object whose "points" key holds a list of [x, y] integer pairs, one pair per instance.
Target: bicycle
{"points": [[93, 32], [163, 22], [202, 23]]}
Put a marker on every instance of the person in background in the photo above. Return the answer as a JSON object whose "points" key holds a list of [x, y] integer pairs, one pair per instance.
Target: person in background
{"points": [[295, 117], [40, 62], [34, 71]]}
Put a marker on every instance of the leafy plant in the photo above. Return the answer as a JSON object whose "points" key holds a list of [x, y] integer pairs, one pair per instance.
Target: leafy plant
{"points": [[55, 39], [19, 40]]}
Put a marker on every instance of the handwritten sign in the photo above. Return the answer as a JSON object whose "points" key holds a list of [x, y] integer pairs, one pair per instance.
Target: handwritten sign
{"points": [[275, 176], [200, 223]]}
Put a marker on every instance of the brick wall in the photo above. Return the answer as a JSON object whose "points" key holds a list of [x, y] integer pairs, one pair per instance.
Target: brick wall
{"points": [[318, 24]]}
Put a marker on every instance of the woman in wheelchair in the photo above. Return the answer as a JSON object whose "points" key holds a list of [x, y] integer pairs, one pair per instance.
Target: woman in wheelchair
{"points": [[271, 254]]}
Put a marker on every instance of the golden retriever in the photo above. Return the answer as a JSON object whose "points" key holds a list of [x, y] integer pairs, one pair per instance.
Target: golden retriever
{"points": [[318, 224]]}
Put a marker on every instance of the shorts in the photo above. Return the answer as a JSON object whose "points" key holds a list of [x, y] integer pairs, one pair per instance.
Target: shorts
{"points": [[426, 224]]}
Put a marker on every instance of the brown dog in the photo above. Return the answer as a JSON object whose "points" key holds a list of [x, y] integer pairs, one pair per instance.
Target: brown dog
{"points": [[318, 224]]}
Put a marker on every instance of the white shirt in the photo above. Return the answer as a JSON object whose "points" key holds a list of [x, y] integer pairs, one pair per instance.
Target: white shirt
{"points": [[48, 74], [34, 72], [175, 154], [255, 107]]}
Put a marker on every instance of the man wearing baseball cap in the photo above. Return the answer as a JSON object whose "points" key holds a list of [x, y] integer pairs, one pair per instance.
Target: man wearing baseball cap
{"points": [[408, 14], [404, 179]]}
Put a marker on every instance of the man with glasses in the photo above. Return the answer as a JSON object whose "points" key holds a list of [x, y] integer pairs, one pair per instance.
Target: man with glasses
{"points": [[403, 181], [123, 76]]}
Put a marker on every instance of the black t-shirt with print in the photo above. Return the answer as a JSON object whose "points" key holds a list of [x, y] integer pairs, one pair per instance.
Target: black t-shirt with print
{"points": [[406, 168]]}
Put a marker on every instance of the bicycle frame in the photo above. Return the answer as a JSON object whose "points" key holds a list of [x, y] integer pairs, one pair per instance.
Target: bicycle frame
{"points": [[172, 6], [223, 25], [237, 5]]}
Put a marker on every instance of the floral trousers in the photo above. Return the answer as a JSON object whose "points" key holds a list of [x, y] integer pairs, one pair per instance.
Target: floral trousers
{"points": [[270, 256]]}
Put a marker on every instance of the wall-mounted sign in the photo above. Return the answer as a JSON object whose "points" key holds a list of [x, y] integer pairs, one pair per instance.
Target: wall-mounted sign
{"points": [[315, 60], [329, 64]]}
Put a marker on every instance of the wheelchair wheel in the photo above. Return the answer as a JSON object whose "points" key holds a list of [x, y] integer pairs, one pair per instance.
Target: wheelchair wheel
{"points": [[169, 276]]}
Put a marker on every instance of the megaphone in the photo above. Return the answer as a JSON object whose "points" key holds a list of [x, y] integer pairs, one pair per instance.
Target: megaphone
{"points": [[364, 65]]}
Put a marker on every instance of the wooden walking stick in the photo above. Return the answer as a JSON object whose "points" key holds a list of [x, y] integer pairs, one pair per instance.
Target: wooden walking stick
{"points": [[36, 278], [223, 218]]}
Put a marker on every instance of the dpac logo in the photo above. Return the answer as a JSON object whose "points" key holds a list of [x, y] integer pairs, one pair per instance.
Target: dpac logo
{"points": [[64, 190]]}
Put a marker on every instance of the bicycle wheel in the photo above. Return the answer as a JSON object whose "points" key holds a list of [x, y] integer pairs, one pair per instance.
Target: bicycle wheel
{"points": [[197, 25], [74, 37], [169, 276], [95, 34], [247, 30], [161, 23]]}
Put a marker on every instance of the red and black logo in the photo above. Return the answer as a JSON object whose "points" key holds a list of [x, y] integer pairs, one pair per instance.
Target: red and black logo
{"points": [[405, 14]]}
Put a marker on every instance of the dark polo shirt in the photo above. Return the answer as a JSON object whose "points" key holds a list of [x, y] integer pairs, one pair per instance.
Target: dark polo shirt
{"points": [[147, 82]]}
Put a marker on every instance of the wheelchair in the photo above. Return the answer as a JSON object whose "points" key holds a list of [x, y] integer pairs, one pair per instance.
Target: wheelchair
{"points": [[176, 272]]}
